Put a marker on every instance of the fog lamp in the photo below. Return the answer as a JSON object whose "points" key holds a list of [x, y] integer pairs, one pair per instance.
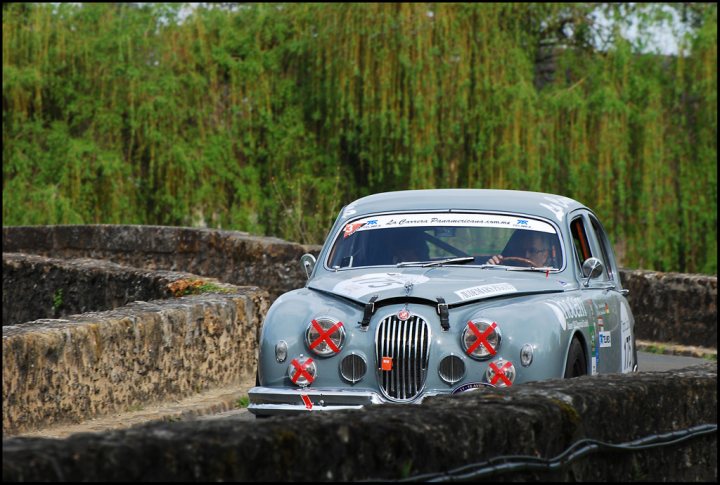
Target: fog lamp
{"points": [[501, 373], [302, 371]]}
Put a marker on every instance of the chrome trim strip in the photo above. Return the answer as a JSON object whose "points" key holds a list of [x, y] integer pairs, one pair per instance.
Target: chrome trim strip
{"points": [[265, 401]]}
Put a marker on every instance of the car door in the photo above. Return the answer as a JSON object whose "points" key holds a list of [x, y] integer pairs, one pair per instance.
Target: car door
{"points": [[620, 344], [600, 300]]}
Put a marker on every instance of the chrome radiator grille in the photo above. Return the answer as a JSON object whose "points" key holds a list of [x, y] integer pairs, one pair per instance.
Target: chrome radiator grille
{"points": [[408, 344]]}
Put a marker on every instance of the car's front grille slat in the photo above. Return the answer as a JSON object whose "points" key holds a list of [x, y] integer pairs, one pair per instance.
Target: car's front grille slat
{"points": [[407, 342], [393, 353], [402, 360]]}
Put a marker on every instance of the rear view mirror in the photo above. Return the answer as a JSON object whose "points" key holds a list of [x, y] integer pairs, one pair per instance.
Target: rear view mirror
{"points": [[308, 263], [592, 268]]}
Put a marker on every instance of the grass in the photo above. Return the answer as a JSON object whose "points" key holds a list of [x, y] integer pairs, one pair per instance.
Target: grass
{"points": [[654, 349], [657, 348], [57, 299]]}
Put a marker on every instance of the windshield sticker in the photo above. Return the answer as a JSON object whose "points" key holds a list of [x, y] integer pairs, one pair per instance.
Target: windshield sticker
{"points": [[351, 228], [369, 283], [485, 290], [468, 220]]}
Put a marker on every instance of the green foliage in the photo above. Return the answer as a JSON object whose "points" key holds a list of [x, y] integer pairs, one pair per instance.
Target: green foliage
{"points": [[268, 118], [57, 300]]}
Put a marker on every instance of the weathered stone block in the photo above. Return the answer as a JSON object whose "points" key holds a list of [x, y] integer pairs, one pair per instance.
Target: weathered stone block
{"points": [[673, 307], [231, 256], [96, 363]]}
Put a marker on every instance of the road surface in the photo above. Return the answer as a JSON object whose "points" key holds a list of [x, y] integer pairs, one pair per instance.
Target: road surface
{"points": [[648, 362]]}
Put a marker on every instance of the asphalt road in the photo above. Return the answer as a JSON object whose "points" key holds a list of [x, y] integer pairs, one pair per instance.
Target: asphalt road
{"points": [[648, 362]]}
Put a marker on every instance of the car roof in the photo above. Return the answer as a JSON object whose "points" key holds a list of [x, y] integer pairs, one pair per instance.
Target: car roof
{"points": [[541, 204]]}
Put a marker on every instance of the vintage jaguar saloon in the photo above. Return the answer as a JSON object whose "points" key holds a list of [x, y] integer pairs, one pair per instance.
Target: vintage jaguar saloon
{"points": [[428, 292]]}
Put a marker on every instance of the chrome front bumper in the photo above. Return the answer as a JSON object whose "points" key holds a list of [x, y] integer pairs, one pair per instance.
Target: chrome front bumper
{"points": [[268, 401]]}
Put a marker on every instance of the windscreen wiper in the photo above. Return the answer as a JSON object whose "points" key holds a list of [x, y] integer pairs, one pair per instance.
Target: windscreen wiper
{"points": [[425, 264], [518, 268], [542, 269]]}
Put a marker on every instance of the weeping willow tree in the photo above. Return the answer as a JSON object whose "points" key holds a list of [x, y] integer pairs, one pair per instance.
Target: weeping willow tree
{"points": [[268, 118]]}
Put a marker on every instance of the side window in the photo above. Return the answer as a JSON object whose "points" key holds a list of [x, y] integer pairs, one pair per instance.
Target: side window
{"points": [[580, 240], [584, 245], [604, 247]]}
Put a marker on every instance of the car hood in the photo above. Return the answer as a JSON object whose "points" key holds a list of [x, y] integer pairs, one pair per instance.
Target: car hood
{"points": [[455, 284]]}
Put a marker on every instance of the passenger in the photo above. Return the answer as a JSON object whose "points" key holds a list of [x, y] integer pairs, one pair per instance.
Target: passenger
{"points": [[404, 246]]}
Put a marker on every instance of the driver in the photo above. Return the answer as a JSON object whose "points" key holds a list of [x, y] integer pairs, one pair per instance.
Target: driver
{"points": [[535, 247]]}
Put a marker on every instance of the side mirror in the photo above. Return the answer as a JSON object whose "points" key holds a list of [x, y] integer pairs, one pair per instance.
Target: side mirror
{"points": [[592, 268], [308, 263]]}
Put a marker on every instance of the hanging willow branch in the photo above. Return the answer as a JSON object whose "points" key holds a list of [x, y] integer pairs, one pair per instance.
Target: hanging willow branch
{"points": [[269, 117]]}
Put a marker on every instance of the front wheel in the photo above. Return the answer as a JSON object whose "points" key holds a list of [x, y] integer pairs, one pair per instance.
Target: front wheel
{"points": [[576, 365]]}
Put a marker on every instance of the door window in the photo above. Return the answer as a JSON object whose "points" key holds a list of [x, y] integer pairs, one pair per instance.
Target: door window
{"points": [[604, 244], [580, 241]]}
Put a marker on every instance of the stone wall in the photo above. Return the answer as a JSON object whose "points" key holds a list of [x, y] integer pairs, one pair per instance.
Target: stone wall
{"points": [[538, 420], [673, 307], [230, 256], [85, 365], [668, 307], [37, 287]]}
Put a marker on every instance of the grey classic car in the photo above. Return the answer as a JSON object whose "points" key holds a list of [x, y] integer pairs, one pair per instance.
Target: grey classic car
{"points": [[426, 292]]}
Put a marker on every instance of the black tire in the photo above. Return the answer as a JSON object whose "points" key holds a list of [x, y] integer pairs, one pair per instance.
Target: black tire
{"points": [[576, 364]]}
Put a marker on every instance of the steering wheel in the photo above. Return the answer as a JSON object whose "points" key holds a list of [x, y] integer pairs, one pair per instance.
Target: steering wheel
{"points": [[518, 259]]}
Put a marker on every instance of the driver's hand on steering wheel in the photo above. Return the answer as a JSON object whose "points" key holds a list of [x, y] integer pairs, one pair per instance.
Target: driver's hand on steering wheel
{"points": [[497, 259]]}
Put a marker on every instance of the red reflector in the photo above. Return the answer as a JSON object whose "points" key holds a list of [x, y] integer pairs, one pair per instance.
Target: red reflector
{"points": [[386, 363]]}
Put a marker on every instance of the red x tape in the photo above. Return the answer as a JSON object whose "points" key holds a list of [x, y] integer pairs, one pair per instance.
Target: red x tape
{"points": [[300, 370], [325, 335], [500, 373], [481, 338], [307, 401]]}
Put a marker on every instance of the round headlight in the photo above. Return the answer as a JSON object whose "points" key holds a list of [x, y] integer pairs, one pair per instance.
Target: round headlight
{"points": [[526, 355], [481, 338], [302, 371], [325, 336]]}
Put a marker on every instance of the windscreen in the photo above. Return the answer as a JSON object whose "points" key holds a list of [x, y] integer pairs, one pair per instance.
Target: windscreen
{"points": [[418, 237]]}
